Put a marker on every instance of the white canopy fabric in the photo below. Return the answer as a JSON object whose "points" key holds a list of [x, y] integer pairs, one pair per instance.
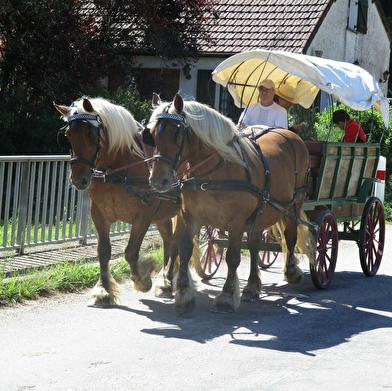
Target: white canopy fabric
{"points": [[347, 83]]}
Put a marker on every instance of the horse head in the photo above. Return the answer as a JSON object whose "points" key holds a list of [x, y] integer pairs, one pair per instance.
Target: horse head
{"points": [[82, 137], [167, 135]]}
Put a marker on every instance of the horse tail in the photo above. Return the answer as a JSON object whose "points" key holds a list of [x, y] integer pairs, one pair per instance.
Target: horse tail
{"points": [[306, 242]]}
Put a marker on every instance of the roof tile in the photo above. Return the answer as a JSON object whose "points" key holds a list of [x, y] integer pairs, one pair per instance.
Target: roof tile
{"points": [[246, 25]]}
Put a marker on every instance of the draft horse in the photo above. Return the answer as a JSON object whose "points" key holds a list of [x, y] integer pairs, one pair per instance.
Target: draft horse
{"points": [[109, 159], [234, 184]]}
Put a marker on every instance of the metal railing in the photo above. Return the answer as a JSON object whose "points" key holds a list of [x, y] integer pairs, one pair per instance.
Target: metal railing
{"points": [[39, 207]]}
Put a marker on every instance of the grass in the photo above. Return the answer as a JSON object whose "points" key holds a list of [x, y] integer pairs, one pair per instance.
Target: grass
{"points": [[63, 277]]}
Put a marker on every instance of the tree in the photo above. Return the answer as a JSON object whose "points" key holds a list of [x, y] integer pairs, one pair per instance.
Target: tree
{"points": [[51, 49]]}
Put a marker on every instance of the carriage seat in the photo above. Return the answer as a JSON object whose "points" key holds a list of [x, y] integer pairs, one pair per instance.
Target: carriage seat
{"points": [[315, 149]]}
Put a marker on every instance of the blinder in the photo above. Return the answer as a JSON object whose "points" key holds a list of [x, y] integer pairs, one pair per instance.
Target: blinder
{"points": [[73, 122], [182, 126], [62, 139], [94, 136], [147, 137]]}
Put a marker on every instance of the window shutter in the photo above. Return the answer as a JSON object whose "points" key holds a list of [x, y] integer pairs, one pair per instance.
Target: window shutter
{"points": [[362, 16]]}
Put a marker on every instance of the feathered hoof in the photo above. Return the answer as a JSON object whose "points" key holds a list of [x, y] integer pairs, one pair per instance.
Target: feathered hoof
{"points": [[185, 309], [101, 298], [142, 285], [222, 308], [102, 301], [224, 304], [163, 287], [249, 296], [163, 291], [293, 275]]}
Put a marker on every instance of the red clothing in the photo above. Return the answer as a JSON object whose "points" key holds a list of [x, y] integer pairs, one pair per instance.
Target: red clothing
{"points": [[352, 130]]}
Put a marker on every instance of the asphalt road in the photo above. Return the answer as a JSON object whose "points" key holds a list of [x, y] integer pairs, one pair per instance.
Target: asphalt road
{"points": [[294, 338]]}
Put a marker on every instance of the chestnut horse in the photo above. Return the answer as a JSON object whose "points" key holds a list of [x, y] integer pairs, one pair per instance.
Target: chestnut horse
{"points": [[233, 184], [108, 159]]}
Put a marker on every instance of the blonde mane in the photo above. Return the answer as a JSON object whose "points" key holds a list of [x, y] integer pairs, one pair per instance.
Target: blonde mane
{"points": [[214, 129], [120, 128]]}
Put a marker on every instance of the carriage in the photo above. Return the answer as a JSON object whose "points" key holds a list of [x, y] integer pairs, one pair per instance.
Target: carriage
{"points": [[340, 206], [202, 169], [340, 202]]}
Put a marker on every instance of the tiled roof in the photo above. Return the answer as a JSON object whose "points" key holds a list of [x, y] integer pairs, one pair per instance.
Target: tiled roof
{"points": [[269, 24]]}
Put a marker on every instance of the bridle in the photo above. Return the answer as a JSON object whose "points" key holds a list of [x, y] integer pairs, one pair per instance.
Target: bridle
{"points": [[94, 136], [182, 129]]}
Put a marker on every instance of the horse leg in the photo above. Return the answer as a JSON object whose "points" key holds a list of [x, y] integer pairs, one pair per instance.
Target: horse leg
{"points": [[164, 286], [251, 291], [293, 274], [229, 299], [184, 300], [142, 269], [106, 292]]}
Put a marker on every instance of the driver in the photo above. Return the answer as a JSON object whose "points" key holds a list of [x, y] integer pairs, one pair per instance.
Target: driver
{"points": [[265, 111]]}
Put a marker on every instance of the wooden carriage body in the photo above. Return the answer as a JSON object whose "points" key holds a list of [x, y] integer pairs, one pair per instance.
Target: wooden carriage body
{"points": [[341, 178]]}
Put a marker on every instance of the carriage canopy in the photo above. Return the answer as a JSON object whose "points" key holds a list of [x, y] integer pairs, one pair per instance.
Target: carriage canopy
{"points": [[348, 83]]}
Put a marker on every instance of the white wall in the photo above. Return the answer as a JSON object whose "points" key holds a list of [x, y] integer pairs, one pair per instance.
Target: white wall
{"points": [[372, 50]]}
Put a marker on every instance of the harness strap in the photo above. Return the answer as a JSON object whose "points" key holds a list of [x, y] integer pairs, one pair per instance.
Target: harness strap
{"points": [[238, 185]]}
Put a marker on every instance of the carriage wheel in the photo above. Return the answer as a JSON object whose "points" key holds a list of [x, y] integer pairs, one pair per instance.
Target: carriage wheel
{"points": [[327, 250], [210, 253], [372, 236], [267, 258]]}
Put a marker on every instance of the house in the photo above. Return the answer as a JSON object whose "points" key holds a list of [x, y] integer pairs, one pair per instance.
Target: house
{"points": [[354, 31]]}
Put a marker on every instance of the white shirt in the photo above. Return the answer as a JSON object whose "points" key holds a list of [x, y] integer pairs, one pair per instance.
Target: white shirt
{"points": [[256, 114]]}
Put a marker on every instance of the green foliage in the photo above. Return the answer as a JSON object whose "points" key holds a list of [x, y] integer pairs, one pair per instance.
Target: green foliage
{"points": [[64, 277], [28, 127], [127, 97], [31, 127], [49, 49]]}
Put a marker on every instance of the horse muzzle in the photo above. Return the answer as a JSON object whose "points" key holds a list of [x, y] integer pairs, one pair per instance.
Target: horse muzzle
{"points": [[81, 181], [162, 184]]}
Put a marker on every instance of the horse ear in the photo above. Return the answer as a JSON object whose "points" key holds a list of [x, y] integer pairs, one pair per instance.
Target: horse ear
{"points": [[178, 103], [156, 100], [64, 110], [87, 105]]}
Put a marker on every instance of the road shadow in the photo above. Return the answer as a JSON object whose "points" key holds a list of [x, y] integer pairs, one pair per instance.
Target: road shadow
{"points": [[287, 318]]}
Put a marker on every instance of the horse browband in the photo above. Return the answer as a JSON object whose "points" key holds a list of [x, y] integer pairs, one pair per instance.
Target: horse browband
{"points": [[174, 117], [85, 117]]}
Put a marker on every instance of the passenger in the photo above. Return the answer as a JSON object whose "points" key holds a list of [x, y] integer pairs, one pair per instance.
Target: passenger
{"points": [[285, 97], [265, 111], [353, 132]]}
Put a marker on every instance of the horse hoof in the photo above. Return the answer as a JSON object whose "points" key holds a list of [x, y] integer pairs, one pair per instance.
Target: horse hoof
{"points": [[164, 292], [143, 286], [295, 277], [250, 297], [222, 308], [103, 302], [185, 309]]}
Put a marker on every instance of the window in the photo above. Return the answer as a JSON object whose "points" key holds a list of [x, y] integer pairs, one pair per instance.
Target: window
{"points": [[205, 88], [227, 106], [162, 81], [358, 15]]}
